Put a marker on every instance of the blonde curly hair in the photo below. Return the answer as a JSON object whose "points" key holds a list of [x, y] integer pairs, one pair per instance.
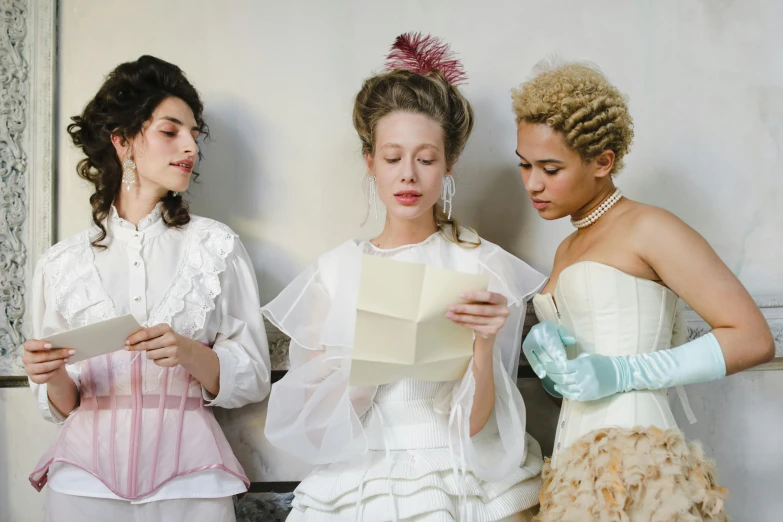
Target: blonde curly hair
{"points": [[579, 102]]}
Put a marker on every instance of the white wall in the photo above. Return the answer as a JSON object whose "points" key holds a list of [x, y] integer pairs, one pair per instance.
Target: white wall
{"points": [[704, 80], [283, 169], [740, 420], [24, 436]]}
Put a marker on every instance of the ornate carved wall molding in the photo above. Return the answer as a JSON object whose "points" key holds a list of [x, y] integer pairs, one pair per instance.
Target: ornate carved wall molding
{"points": [[27, 61]]}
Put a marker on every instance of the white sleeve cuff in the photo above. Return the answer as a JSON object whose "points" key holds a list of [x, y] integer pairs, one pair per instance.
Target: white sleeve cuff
{"points": [[49, 410], [228, 371]]}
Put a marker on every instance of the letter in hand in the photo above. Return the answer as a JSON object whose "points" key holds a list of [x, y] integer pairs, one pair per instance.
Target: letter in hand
{"points": [[163, 345], [42, 362], [485, 312]]}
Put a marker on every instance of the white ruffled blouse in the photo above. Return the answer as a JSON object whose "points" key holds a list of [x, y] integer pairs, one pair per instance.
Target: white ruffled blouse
{"points": [[197, 278]]}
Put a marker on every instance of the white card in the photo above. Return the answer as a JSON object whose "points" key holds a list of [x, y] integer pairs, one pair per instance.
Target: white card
{"points": [[96, 339]]}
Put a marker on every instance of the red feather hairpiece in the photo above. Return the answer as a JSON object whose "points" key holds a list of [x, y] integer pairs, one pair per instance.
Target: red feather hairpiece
{"points": [[422, 54]]}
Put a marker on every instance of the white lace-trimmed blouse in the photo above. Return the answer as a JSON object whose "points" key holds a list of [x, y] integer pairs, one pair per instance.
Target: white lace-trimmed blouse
{"points": [[198, 278]]}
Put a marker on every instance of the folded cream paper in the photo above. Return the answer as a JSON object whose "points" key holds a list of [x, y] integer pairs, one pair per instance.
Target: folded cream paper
{"points": [[96, 339], [401, 325]]}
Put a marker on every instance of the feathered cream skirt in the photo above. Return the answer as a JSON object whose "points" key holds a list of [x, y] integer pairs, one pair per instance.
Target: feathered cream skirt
{"points": [[632, 475]]}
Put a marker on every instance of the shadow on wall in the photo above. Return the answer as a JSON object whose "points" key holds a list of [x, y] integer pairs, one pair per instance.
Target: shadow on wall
{"points": [[500, 211], [490, 194], [237, 185]]}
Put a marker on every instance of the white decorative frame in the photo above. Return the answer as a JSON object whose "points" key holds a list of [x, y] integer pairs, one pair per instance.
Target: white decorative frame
{"points": [[27, 68]]}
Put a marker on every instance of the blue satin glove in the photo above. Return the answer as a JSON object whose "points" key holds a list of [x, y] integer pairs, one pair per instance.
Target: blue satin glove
{"points": [[549, 387], [593, 376], [589, 377], [545, 346]]}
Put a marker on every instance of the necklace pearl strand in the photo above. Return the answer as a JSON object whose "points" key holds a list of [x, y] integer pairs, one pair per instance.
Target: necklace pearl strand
{"points": [[598, 213]]}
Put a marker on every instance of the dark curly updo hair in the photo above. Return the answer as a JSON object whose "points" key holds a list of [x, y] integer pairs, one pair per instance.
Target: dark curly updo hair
{"points": [[125, 101]]}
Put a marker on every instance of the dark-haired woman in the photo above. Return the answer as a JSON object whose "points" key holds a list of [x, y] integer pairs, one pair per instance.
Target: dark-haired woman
{"points": [[138, 439]]}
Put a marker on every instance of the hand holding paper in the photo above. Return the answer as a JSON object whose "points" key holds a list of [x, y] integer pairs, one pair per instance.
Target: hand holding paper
{"points": [[164, 346], [96, 339], [401, 324], [46, 365], [486, 313], [42, 362]]}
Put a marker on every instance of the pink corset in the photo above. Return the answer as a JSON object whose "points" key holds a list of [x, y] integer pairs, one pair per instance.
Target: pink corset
{"points": [[137, 427]]}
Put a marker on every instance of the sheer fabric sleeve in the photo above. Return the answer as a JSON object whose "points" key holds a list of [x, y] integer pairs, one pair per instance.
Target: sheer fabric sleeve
{"points": [[313, 413], [494, 457]]}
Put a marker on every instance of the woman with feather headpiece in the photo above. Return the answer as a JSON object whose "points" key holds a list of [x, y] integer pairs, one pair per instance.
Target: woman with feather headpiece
{"points": [[409, 449]]}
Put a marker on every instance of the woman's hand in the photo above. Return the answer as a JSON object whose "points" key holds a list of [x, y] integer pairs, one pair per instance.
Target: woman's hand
{"points": [[167, 348], [164, 346], [44, 363], [545, 345], [485, 313]]}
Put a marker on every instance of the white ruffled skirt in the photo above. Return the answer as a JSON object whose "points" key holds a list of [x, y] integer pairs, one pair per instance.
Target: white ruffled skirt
{"points": [[416, 485]]}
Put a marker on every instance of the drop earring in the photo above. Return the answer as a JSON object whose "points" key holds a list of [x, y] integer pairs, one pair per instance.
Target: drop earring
{"points": [[447, 191], [128, 172], [371, 193]]}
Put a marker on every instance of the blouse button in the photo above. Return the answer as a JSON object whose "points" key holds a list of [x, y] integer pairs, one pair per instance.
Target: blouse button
{"points": [[563, 425], [137, 299], [558, 445], [135, 263]]}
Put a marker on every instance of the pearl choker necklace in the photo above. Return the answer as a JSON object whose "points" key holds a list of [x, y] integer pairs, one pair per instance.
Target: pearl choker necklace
{"points": [[598, 213]]}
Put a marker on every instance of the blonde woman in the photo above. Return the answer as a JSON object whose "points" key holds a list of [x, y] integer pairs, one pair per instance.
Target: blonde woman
{"points": [[408, 450]]}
